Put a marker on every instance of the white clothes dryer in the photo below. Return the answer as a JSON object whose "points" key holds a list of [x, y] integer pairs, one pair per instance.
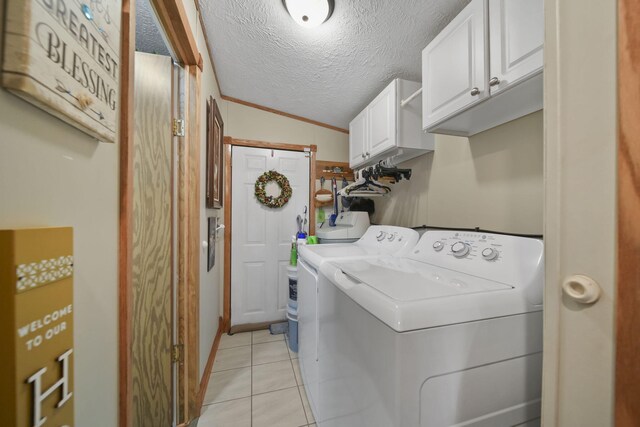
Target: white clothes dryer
{"points": [[377, 241], [449, 336]]}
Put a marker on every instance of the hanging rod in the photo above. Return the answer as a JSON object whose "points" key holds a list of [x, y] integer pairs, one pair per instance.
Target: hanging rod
{"points": [[410, 98]]}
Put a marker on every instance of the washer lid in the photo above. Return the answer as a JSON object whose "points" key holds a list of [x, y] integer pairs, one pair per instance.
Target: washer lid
{"points": [[317, 254], [406, 280]]}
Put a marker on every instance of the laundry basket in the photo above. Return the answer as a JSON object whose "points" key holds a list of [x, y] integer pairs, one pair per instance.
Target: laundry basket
{"points": [[292, 334]]}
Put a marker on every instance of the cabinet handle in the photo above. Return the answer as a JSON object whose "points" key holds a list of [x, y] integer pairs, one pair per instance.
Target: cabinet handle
{"points": [[475, 91], [494, 81], [367, 154], [363, 156]]}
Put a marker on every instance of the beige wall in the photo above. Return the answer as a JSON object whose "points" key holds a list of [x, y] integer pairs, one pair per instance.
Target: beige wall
{"points": [[54, 175], [493, 180], [244, 122]]}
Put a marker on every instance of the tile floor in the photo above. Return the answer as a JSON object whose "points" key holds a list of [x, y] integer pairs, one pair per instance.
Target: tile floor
{"points": [[255, 382]]}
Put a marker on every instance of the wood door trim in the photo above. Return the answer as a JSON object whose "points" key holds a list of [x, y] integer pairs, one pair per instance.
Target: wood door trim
{"points": [[125, 232], [627, 376], [282, 113], [173, 19], [229, 142], [189, 246], [269, 145], [204, 381]]}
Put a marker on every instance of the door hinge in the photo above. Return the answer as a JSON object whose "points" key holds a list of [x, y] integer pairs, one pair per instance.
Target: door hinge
{"points": [[177, 353], [178, 127]]}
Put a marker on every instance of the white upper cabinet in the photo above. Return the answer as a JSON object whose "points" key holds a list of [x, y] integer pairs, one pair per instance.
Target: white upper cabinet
{"points": [[387, 130], [358, 139], [454, 64], [517, 39], [485, 68], [382, 121]]}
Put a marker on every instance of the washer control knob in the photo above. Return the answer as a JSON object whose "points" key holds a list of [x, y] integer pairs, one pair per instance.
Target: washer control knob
{"points": [[489, 254], [391, 237], [460, 249], [438, 246], [381, 235]]}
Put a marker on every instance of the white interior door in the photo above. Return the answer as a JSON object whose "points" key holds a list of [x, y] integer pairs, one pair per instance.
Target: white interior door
{"points": [[581, 128], [261, 236]]}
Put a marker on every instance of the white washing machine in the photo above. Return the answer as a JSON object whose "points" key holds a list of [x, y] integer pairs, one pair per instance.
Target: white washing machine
{"points": [[449, 336], [377, 241]]}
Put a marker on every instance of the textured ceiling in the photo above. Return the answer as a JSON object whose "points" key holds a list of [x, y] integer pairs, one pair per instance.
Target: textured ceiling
{"points": [[148, 36], [328, 73]]}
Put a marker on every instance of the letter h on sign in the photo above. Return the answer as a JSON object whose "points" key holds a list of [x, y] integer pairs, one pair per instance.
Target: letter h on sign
{"points": [[39, 396]]}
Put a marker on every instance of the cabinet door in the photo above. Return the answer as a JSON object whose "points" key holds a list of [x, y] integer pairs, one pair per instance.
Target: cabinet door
{"points": [[382, 121], [517, 39], [454, 65], [358, 139]]}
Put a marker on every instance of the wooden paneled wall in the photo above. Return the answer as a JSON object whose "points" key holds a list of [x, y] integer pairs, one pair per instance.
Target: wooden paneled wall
{"points": [[152, 244]]}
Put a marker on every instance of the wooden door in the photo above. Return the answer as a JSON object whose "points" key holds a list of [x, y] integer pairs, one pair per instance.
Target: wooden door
{"points": [[260, 250], [517, 40], [152, 242], [453, 65], [381, 121], [358, 139]]}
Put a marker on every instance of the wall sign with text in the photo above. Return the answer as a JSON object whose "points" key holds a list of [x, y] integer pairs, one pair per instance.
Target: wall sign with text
{"points": [[36, 325], [63, 56]]}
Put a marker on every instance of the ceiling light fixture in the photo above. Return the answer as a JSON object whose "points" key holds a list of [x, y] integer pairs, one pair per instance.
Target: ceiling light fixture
{"points": [[309, 13]]}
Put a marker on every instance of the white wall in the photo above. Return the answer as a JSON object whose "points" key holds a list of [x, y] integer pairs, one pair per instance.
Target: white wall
{"points": [[54, 175], [493, 180]]}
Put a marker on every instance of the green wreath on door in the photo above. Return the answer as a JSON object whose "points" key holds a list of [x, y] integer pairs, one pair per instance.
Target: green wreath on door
{"points": [[271, 201]]}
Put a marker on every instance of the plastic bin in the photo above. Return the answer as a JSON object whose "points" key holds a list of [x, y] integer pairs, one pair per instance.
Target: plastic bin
{"points": [[292, 273], [292, 334]]}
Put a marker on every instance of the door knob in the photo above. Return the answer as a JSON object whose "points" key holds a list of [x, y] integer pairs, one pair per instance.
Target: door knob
{"points": [[368, 154], [582, 289], [494, 81], [363, 156], [475, 91]]}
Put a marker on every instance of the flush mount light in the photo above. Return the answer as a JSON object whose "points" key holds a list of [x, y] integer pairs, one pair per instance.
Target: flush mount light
{"points": [[309, 13]]}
